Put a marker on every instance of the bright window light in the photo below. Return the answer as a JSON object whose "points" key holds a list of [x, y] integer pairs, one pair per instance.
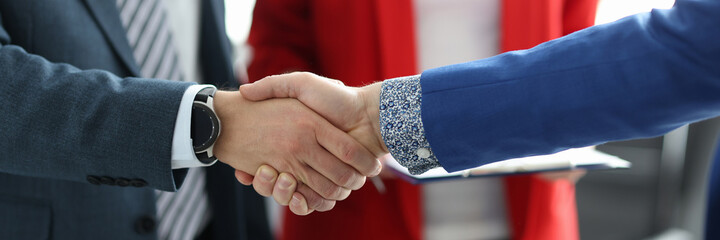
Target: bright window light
{"points": [[611, 10], [238, 15]]}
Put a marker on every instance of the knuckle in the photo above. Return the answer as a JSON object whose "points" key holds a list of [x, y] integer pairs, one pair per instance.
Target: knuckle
{"points": [[326, 205], [306, 75], [331, 192], [348, 179], [318, 203], [301, 77], [349, 152], [351, 155], [314, 200]]}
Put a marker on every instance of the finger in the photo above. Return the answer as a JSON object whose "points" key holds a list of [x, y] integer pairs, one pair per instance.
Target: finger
{"points": [[338, 82], [299, 206], [321, 184], [243, 178], [347, 149], [264, 180], [384, 173], [335, 169], [290, 85], [314, 200], [276, 86], [284, 189]]}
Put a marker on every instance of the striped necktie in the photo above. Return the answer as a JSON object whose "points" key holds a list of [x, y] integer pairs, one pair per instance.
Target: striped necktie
{"points": [[182, 214]]}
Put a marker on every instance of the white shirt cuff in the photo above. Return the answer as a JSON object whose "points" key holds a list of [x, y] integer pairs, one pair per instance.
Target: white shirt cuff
{"points": [[183, 155]]}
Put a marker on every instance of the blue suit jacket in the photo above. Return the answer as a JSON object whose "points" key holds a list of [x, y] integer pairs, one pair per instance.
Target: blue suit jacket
{"points": [[638, 77], [641, 76], [70, 108]]}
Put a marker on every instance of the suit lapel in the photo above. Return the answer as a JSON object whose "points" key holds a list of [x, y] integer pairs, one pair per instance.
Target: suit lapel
{"points": [[107, 16]]}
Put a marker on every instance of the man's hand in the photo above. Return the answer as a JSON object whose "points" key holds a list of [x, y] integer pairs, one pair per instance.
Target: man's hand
{"points": [[291, 138], [354, 110], [285, 190]]}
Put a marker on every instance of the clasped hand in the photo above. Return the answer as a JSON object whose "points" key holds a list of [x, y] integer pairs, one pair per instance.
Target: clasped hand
{"points": [[323, 138]]}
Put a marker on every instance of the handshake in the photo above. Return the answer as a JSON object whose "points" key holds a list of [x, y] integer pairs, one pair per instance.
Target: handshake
{"points": [[308, 148]]}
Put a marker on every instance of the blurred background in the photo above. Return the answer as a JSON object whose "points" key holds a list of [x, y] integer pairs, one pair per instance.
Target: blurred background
{"points": [[661, 197]]}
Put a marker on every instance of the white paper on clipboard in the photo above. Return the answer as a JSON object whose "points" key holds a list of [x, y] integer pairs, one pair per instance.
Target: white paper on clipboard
{"points": [[585, 158]]}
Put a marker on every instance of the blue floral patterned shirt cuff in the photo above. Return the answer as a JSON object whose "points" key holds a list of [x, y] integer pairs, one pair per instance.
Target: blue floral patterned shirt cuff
{"points": [[401, 124]]}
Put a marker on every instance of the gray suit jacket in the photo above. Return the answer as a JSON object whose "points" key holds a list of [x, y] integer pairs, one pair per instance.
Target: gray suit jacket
{"points": [[71, 113]]}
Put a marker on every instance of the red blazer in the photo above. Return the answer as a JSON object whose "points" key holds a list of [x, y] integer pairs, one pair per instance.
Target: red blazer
{"points": [[360, 42]]}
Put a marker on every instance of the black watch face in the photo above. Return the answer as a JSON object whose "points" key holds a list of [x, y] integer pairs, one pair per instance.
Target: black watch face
{"points": [[201, 126]]}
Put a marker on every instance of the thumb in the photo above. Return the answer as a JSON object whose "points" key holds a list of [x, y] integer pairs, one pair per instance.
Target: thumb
{"points": [[276, 86], [268, 87]]}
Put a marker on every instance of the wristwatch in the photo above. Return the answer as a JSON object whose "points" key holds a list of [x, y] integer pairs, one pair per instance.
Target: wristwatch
{"points": [[204, 125]]}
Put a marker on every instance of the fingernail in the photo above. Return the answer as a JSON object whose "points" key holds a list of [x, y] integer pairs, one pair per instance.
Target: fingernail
{"points": [[266, 174], [284, 182], [377, 171], [295, 201]]}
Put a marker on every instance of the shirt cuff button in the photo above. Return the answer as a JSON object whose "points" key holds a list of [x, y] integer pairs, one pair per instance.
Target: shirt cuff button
{"points": [[423, 153]]}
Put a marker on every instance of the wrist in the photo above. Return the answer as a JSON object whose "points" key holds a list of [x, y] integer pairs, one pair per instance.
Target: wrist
{"points": [[370, 96], [223, 102]]}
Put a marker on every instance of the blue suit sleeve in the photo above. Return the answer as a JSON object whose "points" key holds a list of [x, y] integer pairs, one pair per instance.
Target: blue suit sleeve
{"points": [[59, 122], [641, 76]]}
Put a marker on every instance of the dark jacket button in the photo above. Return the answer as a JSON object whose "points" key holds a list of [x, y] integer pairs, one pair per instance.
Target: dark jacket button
{"points": [[107, 180], [145, 224], [93, 179], [138, 183], [123, 182]]}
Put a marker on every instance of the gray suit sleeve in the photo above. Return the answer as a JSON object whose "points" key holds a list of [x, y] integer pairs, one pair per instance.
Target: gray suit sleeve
{"points": [[60, 122]]}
